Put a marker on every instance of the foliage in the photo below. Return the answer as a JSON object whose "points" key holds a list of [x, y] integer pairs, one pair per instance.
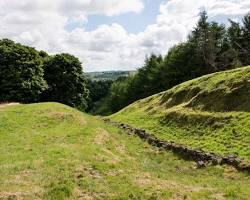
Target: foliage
{"points": [[107, 75], [66, 81], [97, 91], [245, 42], [21, 73], [120, 93], [211, 113], [28, 75], [102, 107], [51, 151], [210, 48]]}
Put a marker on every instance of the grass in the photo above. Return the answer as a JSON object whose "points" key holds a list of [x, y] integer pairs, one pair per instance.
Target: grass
{"points": [[51, 151], [211, 113]]}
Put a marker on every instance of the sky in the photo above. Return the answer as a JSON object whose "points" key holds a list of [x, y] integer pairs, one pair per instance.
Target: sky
{"points": [[109, 34]]}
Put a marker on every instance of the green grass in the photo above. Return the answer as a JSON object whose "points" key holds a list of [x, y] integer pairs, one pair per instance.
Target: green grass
{"points": [[211, 113], [51, 151]]}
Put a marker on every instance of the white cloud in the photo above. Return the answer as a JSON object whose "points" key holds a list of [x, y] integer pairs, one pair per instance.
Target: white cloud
{"points": [[184, 14], [106, 7], [41, 23]]}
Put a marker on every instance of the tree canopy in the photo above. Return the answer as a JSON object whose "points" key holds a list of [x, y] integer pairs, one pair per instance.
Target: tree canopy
{"points": [[21, 73], [210, 47], [66, 81], [28, 75]]}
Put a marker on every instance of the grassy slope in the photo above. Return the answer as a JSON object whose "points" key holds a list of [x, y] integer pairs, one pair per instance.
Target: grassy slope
{"points": [[51, 151], [211, 113]]}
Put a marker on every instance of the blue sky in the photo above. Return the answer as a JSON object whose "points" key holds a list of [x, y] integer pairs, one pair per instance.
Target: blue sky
{"points": [[109, 34], [132, 22]]}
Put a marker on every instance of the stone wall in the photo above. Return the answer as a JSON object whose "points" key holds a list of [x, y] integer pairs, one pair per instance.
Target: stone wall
{"points": [[202, 158]]}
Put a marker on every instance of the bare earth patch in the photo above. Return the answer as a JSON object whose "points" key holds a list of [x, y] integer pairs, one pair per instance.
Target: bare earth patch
{"points": [[3, 105]]}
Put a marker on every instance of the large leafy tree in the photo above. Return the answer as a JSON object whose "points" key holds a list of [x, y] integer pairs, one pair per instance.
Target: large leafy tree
{"points": [[21, 73], [66, 81]]}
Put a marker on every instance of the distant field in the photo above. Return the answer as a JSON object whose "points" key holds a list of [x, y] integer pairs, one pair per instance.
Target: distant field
{"points": [[211, 113], [108, 75], [51, 151]]}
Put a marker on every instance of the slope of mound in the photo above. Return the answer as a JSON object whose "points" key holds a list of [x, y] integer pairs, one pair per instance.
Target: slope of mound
{"points": [[51, 151], [211, 113]]}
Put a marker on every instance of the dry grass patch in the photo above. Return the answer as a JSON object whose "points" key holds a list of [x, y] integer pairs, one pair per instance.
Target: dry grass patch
{"points": [[102, 136], [26, 187], [3, 105], [60, 115], [148, 180]]}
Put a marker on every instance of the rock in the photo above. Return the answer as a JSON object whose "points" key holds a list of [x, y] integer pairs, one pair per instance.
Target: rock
{"points": [[217, 161], [202, 158], [244, 167], [161, 144], [231, 160], [201, 164], [232, 156]]}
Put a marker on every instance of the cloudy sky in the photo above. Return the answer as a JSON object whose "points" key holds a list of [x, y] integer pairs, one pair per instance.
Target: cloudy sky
{"points": [[109, 34]]}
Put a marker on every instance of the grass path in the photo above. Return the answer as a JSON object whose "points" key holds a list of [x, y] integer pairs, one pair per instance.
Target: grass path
{"points": [[51, 151]]}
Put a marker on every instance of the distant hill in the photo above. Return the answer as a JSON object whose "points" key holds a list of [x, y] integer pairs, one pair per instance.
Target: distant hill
{"points": [[108, 75], [211, 113]]}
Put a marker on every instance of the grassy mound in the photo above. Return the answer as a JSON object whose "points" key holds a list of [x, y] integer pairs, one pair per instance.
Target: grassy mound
{"points": [[51, 151], [211, 113]]}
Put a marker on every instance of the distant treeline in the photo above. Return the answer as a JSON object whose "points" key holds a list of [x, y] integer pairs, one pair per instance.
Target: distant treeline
{"points": [[29, 76], [210, 47], [107, 75], [99, 84], [97, 91]]}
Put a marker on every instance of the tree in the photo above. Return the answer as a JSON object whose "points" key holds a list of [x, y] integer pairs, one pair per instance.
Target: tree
{"points": [[97, 91], [199, 38], [207, 40], [232, 46], [246, 40], [21, 73], [66, 81], [210, 47], [120, 93]]}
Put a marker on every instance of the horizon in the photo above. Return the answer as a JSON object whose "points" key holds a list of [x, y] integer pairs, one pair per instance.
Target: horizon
{"points": [[111, 35]]}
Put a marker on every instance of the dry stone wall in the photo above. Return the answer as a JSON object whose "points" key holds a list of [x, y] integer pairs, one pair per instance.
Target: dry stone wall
{"points": [[202, 158]]}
